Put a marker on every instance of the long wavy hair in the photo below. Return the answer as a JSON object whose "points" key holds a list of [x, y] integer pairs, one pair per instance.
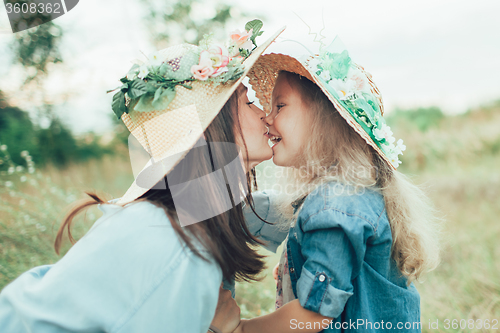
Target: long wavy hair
{"points": [[334, 151], [225, 236]]}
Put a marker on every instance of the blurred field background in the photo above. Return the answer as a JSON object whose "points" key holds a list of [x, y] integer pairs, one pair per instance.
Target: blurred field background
{"points": [[455, 157], [45, 166]]}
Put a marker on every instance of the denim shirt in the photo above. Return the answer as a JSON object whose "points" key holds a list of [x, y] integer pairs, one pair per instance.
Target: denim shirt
{"points": [[129, 273], [339, 257]]}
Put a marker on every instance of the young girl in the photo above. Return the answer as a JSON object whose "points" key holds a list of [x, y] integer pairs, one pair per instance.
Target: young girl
{"points": [[362, 231]]}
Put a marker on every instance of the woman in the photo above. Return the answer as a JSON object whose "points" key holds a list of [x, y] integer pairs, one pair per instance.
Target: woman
{"points": [[153, 263]]}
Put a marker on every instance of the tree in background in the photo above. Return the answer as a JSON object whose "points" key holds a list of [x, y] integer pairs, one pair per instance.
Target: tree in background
{"points": [[36, 48], [174, 22]]}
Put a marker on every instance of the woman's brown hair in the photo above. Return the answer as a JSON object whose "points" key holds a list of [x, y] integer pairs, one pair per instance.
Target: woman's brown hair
{"points": [[225, 236]]}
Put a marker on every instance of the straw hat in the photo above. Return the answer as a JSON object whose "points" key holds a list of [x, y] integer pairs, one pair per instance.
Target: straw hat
{"points": [[347, 85], [169, 133]]}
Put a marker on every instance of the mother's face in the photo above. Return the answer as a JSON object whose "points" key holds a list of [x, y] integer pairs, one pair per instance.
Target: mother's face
{"points": [[253, 130]]}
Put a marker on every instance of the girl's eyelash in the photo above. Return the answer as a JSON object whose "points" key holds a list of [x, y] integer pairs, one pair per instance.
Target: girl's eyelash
{"points": [[250, 103], [279, 106]]}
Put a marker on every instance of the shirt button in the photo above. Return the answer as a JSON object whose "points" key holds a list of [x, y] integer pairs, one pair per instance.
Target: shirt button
{"points": [[322, 278], [292, 269]]}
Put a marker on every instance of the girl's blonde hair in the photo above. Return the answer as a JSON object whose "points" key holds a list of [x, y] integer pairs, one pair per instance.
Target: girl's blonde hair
{"points": [[335, 151]]}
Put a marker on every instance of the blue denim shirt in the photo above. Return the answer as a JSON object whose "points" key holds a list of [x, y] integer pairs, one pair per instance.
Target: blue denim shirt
{"points": [[339, 257]]}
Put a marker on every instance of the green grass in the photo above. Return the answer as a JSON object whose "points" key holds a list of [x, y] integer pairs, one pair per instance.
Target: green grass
{"points": [[32, 206], [458, 161]]}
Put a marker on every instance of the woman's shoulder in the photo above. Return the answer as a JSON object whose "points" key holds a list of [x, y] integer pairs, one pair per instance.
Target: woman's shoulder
{"points": [[366, 203], [141, 224], [136, 245]]}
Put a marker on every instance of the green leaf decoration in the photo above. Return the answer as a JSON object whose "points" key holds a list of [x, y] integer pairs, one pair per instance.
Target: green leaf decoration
{"points": [[157, 94], [107, 92], [162, 98], [133, 69], [244, 53], [145, 103], [233, 73], [162, 70], [256, 25], [370, 99], [118, 104], [124, 87], [367, 109], [340, 63], [151, 87], [137, 88]]}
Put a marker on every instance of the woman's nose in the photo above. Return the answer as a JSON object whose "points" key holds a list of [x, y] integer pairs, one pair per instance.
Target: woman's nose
{"points": [[261, 113]]}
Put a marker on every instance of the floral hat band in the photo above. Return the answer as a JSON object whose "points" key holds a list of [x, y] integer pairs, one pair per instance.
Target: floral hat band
{"points": [[152, 83], [348, 86]]}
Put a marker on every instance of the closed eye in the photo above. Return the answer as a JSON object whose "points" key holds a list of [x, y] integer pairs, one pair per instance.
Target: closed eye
{"points": [[250, 103], [279, 106]]}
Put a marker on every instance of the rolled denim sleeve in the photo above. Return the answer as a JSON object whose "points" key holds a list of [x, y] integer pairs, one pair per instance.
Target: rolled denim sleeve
{"points": [[265, 202], [333, 246]]}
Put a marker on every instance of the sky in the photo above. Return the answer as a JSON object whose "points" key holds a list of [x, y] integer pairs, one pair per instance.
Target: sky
{"points": [[427, 53]]}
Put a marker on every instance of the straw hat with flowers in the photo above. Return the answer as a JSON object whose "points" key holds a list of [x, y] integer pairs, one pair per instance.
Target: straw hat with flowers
{"points": [[168, 101], [347, 85]]}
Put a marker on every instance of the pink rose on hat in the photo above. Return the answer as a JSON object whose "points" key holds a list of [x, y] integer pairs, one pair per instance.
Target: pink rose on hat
{"points": [[242, 39], [203, 70]]}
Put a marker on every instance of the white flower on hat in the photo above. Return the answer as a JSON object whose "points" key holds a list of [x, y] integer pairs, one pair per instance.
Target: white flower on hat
{"points": [[325, 75], [143, 71], [400, 147], [155, 59], [394, 160], [392, 151], [384, 132], [359, 79], [344, 89]]}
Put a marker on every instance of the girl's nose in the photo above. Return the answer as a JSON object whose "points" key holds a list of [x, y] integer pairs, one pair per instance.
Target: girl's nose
{"points": [[268, 119]]}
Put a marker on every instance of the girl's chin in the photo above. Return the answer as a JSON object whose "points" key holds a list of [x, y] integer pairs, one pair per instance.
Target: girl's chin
{"points": [[277, 161], [280, 161], [265, 154]]}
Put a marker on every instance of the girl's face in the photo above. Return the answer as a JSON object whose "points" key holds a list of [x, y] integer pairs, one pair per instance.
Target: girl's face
{"points": [[288, 123], [253, 130]]}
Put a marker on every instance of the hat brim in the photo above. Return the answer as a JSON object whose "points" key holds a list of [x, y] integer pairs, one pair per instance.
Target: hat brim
{"points": [[184, 143]]}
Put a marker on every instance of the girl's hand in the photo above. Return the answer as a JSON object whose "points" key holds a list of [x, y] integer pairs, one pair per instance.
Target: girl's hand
{"points": [[227, 314], [275, 272]]}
